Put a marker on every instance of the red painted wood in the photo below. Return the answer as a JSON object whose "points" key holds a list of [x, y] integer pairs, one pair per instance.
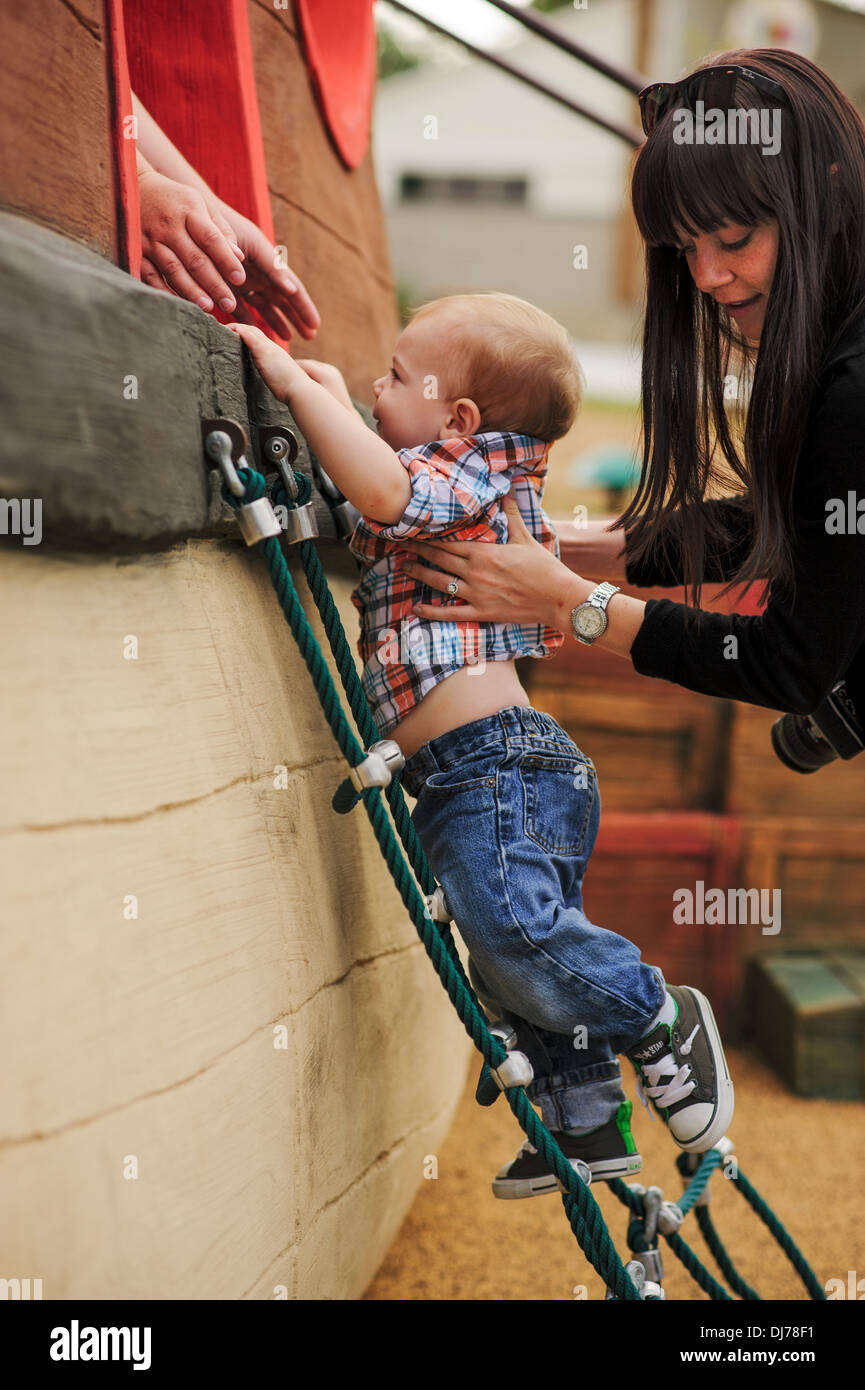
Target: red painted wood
{"points": [[339, 42], [638, 862], [191, 66], [672, 834], [122, 136]]}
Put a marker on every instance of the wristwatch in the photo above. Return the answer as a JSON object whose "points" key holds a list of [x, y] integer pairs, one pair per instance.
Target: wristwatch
{"points": [[589, 620]]}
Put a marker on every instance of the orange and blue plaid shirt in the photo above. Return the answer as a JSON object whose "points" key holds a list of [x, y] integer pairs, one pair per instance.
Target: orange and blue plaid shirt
{"points": [[458, 486]]}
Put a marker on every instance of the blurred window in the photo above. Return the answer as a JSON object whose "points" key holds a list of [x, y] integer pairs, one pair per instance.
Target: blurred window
{"points": [[462, 188]]}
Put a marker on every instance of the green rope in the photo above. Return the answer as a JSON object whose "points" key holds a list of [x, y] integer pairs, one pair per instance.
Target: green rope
{"points": [[582, 1209], [766, 1215], [697, 1186], [725, 1264], [696, 1269], [358, 703], [679, 1247], [783, 1237]]}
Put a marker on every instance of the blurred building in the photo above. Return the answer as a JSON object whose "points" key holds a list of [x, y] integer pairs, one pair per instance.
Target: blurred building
{"points": [[488, 184]]}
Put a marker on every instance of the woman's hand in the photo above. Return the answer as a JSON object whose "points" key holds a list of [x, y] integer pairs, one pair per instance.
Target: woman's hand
{"points": [[194, 244], [521, 582], [187, 244], [271, 288]]}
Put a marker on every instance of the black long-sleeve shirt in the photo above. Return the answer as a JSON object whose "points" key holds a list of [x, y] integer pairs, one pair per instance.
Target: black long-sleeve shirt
{"points": [[789, 656]]}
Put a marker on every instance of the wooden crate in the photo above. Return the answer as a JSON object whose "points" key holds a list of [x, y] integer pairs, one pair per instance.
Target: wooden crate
{"points": [[656, 745], [819, 868], [638, 863], [760, 783], [659, 750], [805, 1013]]}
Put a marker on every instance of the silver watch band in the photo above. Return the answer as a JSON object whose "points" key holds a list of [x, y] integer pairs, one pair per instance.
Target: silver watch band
{"points": [[601, 596]]}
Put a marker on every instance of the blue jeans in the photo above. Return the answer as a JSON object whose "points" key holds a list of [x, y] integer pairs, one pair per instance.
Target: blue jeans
{"points": [[507, 812]]}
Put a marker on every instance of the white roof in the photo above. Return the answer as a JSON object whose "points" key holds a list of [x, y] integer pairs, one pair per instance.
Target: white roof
{"points": [[489, 124]]}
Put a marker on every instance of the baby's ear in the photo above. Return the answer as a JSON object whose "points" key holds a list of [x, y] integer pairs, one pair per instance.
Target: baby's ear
{"points": [[466, 416]]}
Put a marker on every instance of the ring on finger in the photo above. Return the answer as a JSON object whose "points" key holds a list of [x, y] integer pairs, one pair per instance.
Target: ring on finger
{"points": [[453, 588]]}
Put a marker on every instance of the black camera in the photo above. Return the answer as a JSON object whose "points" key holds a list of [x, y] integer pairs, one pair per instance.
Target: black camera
{"points": [[806, 742]]}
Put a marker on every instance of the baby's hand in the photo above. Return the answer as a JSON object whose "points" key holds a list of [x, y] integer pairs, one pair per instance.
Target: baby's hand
{"points": [[279, 370], [331, 378]]}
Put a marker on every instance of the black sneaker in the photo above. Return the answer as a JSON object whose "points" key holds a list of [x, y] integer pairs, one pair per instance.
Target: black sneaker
{"points": [[608, 1152], [682, 1070]]}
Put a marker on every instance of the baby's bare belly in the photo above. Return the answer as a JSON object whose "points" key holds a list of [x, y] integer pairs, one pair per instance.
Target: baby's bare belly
{"points": [[472, 692]]}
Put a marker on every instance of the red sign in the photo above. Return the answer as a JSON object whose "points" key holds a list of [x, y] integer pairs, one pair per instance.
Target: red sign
{"points": [[339, 41]]}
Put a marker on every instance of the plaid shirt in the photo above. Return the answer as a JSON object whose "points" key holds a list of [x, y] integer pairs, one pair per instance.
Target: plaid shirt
{"points": [[457, 491]]}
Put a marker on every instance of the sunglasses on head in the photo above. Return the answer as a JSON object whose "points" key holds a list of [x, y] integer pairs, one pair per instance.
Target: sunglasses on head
{"points": [[715, 87]]}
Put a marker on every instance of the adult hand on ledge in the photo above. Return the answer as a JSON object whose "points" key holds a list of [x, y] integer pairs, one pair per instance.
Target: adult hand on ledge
{"points": [[271, 288], [194, 243], [187, 244]]}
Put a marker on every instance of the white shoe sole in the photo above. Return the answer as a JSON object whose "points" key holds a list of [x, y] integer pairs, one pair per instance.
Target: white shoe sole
{"points": [[509, 1189], [726, 1098]]}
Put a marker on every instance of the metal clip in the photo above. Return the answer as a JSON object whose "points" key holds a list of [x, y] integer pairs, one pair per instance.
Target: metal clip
{"points": [[383, 759], [438, 906], [653, 1264], [670, 1218], [345, 514], [651, 1257], [257, 519], [279, 448], [300, 523], [651, 1211], [583, 1172], [505, 1033], [635, 1273], [516, 1069]]}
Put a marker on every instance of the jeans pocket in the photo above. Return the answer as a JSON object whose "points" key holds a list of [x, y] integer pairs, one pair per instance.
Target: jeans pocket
{"points": [[559, 790], [476, 769]]}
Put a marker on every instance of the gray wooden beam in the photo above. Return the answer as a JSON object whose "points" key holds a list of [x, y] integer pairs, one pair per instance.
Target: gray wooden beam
{"points": [[103, 385]]}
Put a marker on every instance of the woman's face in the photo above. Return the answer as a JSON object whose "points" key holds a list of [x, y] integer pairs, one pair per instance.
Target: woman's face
{"points": [[736, 266]]}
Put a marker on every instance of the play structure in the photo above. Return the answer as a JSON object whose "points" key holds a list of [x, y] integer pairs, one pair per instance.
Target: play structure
{"points": [[207, 958]]}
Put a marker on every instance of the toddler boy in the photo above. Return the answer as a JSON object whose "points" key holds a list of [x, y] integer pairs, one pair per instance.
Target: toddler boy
{"points": [[507, 805]]}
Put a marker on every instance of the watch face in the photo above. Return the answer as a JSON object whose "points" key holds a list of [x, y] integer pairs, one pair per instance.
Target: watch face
{"points": [[590, 621]]}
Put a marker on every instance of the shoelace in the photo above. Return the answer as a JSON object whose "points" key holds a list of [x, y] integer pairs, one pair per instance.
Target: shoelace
{"points": [[677, 1085]]}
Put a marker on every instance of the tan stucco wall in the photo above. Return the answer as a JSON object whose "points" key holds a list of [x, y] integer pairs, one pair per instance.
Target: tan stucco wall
{"points": [[152, 1038]]}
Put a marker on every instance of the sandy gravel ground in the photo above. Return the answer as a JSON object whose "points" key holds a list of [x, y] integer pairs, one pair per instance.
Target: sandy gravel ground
{"points": [[805, 1157]]}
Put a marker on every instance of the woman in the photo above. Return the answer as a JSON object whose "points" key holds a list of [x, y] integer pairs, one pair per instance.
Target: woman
{"points": [[757, 257]]}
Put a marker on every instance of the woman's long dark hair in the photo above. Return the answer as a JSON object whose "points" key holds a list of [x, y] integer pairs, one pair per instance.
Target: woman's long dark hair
{"points": [[688, 340]]}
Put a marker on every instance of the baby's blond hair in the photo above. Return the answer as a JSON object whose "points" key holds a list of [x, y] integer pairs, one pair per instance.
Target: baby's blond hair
{"points": [[513, 360]]}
